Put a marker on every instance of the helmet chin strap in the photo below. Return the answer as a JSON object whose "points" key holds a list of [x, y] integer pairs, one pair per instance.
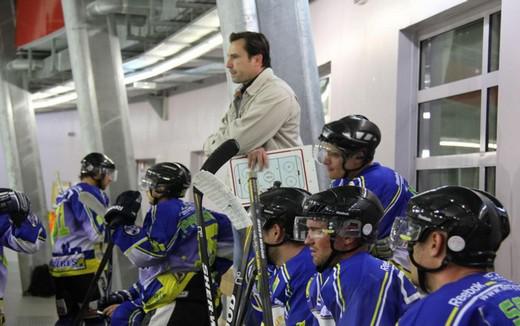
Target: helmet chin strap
{"points": [[335, 252], [353, 171], [421, 270]]}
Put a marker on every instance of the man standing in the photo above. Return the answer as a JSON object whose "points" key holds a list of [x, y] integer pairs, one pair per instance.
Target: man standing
{"points": [[347, 149], [452, 235], [77, 231], [265, 114]]}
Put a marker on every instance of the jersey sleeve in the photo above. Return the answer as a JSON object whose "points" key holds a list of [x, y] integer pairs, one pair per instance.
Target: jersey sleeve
{"points": [[27, 238], [147, 247]]}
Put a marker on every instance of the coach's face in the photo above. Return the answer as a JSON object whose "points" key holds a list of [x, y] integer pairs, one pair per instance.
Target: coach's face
{"points": [[241, 66]]}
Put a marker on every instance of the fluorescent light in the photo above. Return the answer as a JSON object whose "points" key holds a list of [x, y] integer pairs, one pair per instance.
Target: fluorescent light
{"points": [[425, 153], [58, 89], [185, 56], [426, 115], [199, 28], [451, 143], [141, 62], [167, 49], [52, 101], [144, 85]]}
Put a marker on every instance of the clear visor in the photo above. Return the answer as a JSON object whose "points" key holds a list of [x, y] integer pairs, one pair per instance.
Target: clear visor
{"points": [[315, 228], [146, 184], [321, 150], [404, 231], [111, 173]]}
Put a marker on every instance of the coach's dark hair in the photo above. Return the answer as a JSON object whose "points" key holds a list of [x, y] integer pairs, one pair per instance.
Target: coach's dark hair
{"points": [[255, 43]]}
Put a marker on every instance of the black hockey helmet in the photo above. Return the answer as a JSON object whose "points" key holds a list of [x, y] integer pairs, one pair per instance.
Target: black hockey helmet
{"points": [[349, 211], [281, 206], [97, 165], [350, 134], [476, 223], [168, 179]]}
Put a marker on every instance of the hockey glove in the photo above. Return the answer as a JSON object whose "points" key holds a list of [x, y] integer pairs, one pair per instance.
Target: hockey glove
{"points": [[125, 210], [116, 297], [16, 204], [382, 250]]}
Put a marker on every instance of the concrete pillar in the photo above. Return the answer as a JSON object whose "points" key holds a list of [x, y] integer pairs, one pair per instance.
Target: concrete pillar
{"points": [[102, 103], [18, 135]]}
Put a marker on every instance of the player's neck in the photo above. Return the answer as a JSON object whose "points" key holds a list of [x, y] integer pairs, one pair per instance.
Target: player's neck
{"points": [[351, 174], [286, 252], [89, 180], [450, 274]]}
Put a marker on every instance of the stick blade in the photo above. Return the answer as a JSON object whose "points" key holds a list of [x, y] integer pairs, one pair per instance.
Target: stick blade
{"points": [[226, 202], [90, 201], [221, 155]]}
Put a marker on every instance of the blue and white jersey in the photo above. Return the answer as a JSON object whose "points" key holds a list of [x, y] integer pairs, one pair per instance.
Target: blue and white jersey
{"points": [[166, 248], [287, 288], [27, 238], [363, 290], [76, 232], [322, 315], [477, 299], [389, 186]]}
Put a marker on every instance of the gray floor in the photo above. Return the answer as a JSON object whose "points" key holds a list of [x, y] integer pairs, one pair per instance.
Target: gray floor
{"points": [[25, 310]]}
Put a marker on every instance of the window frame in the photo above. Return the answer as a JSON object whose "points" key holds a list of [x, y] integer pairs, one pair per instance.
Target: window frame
{"points": [[482, 83]]}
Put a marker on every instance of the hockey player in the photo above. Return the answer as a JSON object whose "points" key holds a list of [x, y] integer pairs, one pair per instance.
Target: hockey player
{"points": [[76, 233], [20, 230], [347, 147], [359, 289], [166, 250], [453, 234], [291, 259]]}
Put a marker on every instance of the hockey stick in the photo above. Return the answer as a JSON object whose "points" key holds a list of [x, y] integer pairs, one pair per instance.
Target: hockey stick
{"points": [[92, 202], [260, 256], [84, 305], [213, 163], [239, 298], [225, 201], [228, 203]]}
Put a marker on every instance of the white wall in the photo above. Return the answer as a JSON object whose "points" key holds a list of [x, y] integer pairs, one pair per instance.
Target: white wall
{"points": [[193, 116], [362, 44]]}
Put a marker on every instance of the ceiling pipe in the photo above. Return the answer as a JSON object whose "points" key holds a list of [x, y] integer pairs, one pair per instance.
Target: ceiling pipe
{"points": [[105, 7], [24, 64]]}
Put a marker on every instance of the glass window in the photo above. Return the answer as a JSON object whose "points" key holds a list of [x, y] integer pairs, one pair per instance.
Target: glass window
{"points": [[450, 125], [452, 55], [325, 97], [491, 126], [429, 179], [490, 179], [494, 42]]}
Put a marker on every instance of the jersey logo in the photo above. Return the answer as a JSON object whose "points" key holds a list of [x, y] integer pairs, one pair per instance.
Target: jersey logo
{"points": [[131, 230]]}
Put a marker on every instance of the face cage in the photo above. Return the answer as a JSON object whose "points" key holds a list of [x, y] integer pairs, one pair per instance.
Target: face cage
{"points": [[344, 229], [405, 232]]}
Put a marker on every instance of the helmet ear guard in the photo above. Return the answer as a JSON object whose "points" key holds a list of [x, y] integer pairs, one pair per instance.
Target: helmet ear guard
{"points": [[475, 223]]}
